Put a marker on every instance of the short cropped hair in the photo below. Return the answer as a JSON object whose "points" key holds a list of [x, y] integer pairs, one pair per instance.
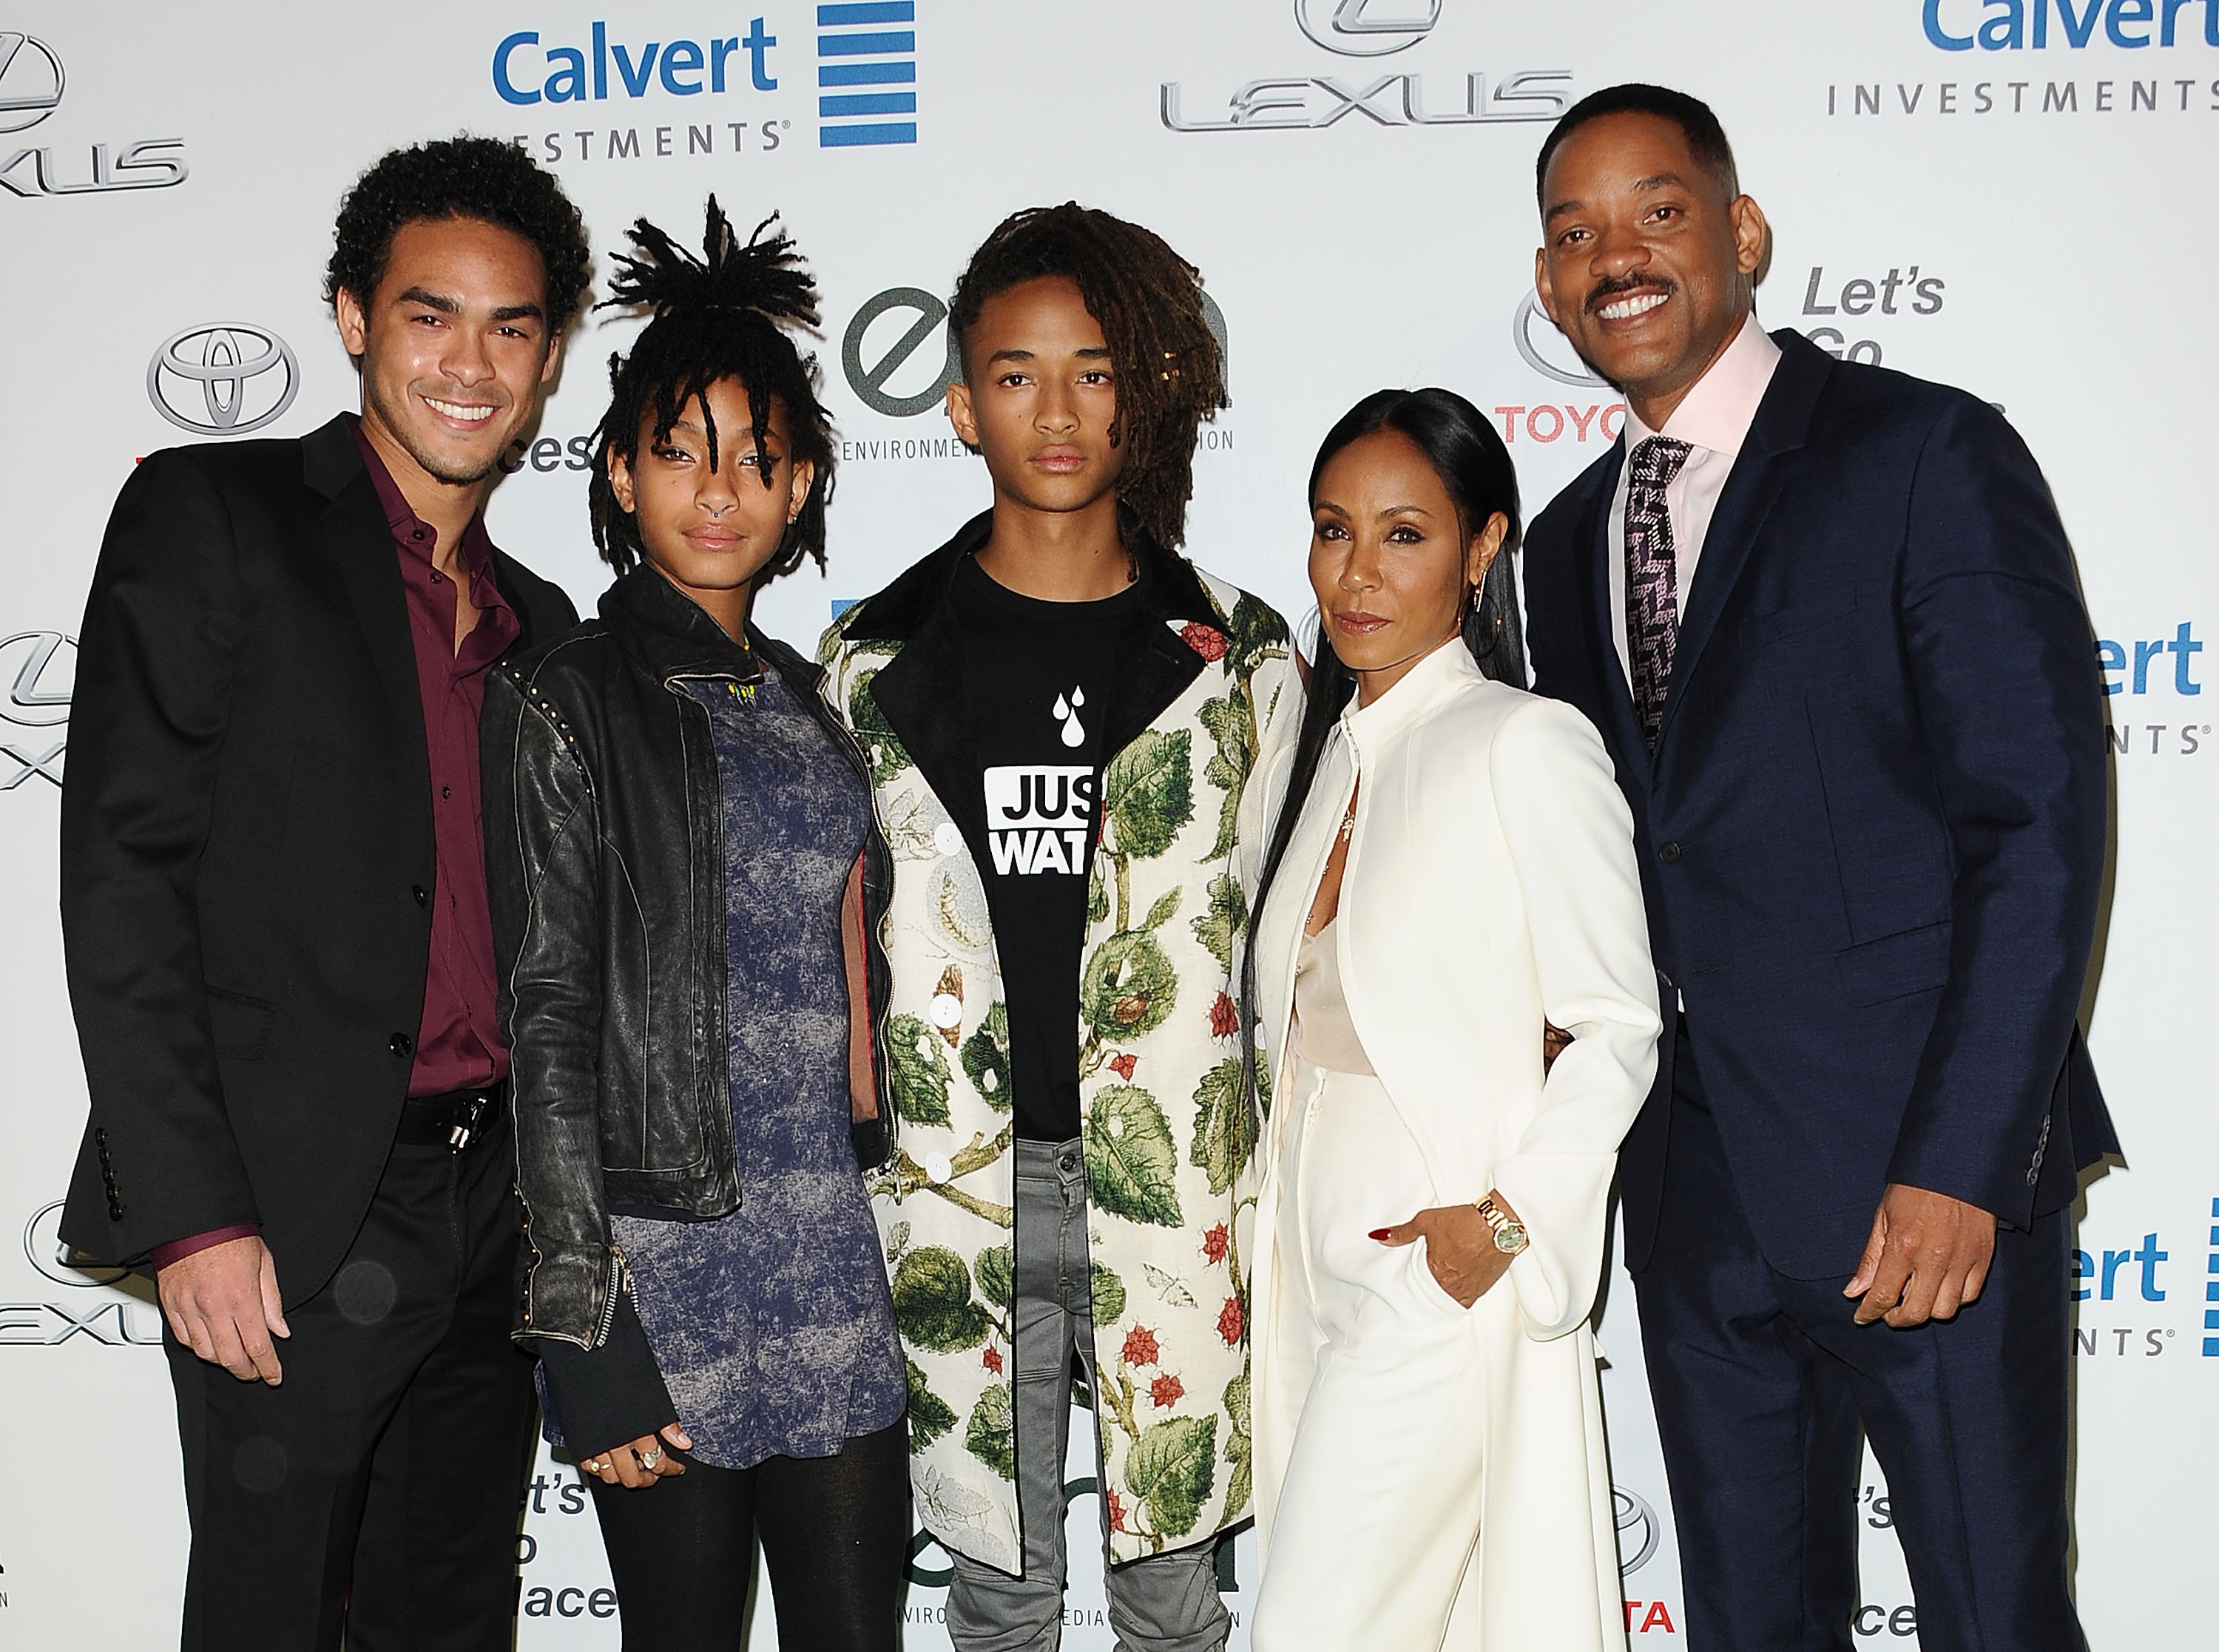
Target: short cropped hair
{"points": [[481, 178], [1706, 139]]}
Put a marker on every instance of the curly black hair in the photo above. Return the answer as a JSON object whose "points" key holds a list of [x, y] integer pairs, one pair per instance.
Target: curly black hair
{"points": [[724, 316], [482, 178], [1169, 372]]}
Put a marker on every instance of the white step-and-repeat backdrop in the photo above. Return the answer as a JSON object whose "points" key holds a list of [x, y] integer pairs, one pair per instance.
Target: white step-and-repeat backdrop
{"points": [[2013, 196]]}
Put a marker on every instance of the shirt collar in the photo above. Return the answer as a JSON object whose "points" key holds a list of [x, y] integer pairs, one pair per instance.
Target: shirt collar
{"points": [[419, 538], [1717, 412]]}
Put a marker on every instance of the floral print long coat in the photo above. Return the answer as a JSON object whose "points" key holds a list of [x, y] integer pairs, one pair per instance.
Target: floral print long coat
{"points": [[1170, 1139]]}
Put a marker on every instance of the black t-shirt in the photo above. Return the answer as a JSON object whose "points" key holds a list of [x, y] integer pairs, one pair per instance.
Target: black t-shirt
{"points": [[1037, 678]]}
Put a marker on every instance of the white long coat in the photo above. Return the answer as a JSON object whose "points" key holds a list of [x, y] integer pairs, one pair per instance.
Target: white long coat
{"points": [[1491, 881]]}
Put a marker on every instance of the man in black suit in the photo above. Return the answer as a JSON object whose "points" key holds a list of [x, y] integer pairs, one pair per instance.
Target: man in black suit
{"points": [[274, 911], [1826, 616]]}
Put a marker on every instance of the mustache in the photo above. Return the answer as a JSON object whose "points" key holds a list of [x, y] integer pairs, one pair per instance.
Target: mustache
{"points": [[1613, 287]]}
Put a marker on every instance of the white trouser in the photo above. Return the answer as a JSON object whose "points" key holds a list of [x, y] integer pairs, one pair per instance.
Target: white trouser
{"points": [[1370, 1500]]}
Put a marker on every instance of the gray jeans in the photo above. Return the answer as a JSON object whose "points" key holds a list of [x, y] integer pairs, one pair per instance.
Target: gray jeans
{"points": [[1167, 1603]]}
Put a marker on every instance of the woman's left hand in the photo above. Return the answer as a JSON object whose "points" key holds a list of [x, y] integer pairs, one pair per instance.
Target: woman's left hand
{"points": [[1460, 1248]]}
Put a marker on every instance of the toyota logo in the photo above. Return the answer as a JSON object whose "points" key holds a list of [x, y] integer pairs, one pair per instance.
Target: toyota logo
{"points": [[31, 81], [1367, 29], [40, 667], [44, 1250], [222, 380], [1637, 1529], [1545, 349]]}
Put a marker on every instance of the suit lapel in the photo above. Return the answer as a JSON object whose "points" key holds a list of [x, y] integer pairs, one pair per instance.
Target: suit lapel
{"points": [[1783, 419], [920, 691], [353, 537]]}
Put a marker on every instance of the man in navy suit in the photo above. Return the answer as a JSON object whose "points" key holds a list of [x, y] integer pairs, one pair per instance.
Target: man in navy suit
{"points": [[1827, 618]]}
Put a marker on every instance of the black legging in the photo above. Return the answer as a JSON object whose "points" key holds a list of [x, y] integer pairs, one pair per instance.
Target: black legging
{"points": [[834, 1535]]}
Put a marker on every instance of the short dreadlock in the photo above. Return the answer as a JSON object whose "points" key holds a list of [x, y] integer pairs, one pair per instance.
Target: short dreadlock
{"points": [[1170, 374], [480, 178], [724, 316]]}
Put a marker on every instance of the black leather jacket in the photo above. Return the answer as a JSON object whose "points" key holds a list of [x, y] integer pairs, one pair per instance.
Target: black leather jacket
{"points": [[605, 851]]}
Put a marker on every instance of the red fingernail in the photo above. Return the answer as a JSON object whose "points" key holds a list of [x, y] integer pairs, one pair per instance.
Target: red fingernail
{"points": [[1379, 1232]]}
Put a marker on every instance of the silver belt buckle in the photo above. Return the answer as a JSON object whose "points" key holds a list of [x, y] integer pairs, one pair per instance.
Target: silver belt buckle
{"points": [[466, 1129]]}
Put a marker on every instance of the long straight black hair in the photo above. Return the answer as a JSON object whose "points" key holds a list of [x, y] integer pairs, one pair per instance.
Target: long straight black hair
{"points": [[1474, 466]]}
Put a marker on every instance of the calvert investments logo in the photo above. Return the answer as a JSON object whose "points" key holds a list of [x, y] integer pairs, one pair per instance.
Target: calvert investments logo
{"points": [[700, 93], [39, 670], [32, 80], [223, 380], [866, 74], [1403, 97]]}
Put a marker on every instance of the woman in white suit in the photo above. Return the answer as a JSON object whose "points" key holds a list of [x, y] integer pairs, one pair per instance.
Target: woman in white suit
{"points": [[1449, 871]]}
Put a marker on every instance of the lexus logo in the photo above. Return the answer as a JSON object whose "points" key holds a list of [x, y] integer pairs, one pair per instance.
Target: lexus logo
{"points": [[1367, 29], [31, 81], [43, 1248], [40, 667], [1637, 1529], [222, 380], [1545, 349]]}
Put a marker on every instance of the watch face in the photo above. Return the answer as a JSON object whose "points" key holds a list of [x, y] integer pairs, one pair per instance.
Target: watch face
{"points": [[1510, 1237]]}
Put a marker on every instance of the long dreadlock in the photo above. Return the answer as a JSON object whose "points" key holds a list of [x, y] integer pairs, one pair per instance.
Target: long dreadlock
{"points": [[724, 316], [1170, 373]]}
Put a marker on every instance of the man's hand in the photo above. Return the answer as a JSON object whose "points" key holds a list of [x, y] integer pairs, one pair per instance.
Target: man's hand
{"points": [[1459, 1249], [1928, 1256], [641, 1462], [222, 1303]]}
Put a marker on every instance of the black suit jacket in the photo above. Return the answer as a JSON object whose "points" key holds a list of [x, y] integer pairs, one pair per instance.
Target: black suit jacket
{"points": [[247, 850], [1873, 832]]}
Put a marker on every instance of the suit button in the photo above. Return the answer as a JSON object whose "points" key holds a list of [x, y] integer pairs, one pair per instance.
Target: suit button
{"points": [[101, 1136], [401, 1044], [423, 895], [1668, 853], [116, 1210]]}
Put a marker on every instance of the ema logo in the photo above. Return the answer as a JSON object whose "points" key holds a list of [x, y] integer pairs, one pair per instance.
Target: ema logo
{"points": [[32, 80], [222, 380], [2024, 25], [860, 45], [1366, 29]]}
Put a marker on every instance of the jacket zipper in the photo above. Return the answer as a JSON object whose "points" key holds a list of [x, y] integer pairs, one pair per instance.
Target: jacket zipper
{"points": [[619, 1279]]}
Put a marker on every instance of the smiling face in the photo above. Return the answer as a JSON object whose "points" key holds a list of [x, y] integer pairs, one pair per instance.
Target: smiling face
{"points": [[1039, 397], [709, 532], [1645, 262], [1389, 563], [454, 347]]}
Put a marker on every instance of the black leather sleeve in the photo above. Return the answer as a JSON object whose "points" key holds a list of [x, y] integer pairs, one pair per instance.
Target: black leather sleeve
{"points": [[611, 1396], [163, 630], [543, 879]]}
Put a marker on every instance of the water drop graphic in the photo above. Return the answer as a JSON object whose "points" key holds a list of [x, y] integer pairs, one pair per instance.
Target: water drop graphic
{"points": [[1073, 733]]}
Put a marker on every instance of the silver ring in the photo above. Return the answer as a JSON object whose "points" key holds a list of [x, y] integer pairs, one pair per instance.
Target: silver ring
{"points": [[649, 1459]]}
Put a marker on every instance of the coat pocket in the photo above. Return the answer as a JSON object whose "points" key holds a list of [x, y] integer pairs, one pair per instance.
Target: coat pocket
{"points": [[1798, 618], [1897, 965], [239, 1024]]}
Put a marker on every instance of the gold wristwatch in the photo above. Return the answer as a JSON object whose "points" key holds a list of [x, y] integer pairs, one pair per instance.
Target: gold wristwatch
{"points": [[1509, 1233]]}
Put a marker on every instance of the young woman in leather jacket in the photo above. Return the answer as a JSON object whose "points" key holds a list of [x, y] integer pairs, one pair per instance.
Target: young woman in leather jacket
{"points": [[687, 884]]}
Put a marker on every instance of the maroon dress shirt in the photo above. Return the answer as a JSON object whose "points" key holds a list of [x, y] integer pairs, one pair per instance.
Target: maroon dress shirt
{"points": [[458, 1042]]}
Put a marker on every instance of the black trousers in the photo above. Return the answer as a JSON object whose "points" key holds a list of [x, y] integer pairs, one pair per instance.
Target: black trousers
{"points": [[1765, 1390], [389, 1464], [834, 1535]]}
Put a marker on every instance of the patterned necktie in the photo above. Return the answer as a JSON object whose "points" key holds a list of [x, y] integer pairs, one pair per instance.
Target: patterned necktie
{"points": [[1652, 611]]}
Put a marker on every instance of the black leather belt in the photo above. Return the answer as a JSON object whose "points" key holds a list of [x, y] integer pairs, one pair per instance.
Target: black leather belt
{"points": [[457, 1120]]}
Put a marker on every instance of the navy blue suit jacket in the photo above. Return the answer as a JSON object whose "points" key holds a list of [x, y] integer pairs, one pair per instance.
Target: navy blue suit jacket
{"points": [[1873, 833]]}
